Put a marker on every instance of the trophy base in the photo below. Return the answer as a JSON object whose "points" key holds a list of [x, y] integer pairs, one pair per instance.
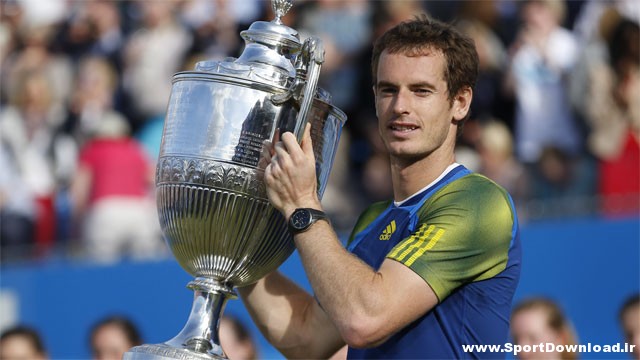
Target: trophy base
{"points": [[199, 339], [166, 352]]}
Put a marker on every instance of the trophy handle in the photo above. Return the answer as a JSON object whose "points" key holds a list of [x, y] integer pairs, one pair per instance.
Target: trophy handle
{"points": [[313, 55]]}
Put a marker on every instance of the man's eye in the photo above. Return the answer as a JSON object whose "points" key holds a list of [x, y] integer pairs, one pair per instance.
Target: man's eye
{"points": [[387, 90], [423, 92]]}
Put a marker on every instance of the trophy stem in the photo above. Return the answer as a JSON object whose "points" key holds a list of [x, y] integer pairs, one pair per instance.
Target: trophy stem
{"points": [[199, 338]]}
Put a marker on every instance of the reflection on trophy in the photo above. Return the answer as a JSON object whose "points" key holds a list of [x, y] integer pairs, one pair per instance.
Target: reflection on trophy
{"points": [[212, 202]]}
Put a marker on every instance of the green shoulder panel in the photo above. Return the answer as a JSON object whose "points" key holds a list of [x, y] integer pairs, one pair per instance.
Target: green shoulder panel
{"points": [[463, 235]]}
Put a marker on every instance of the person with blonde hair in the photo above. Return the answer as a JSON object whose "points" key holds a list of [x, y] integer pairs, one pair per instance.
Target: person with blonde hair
{"points": [[539, 320]]}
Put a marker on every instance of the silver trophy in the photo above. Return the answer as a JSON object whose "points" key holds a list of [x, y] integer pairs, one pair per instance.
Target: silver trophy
{"points": [[211, 198]]}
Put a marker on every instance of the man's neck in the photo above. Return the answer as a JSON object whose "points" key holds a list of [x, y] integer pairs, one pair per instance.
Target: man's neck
{"points": [[410, 177]]}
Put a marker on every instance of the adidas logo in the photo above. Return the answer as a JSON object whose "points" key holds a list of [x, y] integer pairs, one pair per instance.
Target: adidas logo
{"points": [[388, 231]]}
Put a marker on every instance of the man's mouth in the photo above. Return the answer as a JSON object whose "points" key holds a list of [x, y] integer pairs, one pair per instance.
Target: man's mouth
{"points": [[403, 128]]}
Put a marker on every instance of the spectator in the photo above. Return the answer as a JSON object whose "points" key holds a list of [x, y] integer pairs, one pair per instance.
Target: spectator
{"points": [[345, 29], [148, 64], [630, 322], [21, 343], [40, 157], [547, 136], [104, 17], [498, 162], [113, 186], [34, 55], [17, 212], [112, 336], [94, 28], [236, 340], [593, 27], [215, 25], [92, 97], [537, 321], [613, 111], [489, 101]]}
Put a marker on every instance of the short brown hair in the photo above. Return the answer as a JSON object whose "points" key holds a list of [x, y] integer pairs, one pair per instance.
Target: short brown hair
{"points": [[424, 33], [126, 326]]}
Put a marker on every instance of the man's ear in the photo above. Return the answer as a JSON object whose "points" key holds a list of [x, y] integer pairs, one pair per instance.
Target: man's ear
{"points": [[461, 103]]}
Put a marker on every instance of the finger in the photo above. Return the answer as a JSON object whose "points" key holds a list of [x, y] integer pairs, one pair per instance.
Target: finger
{"points": [[307, 143], [267, 150], [268, 174], [273, 172], [291, 145], [281, 156]]}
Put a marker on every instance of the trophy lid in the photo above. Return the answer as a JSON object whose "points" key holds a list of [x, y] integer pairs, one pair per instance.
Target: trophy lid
{"points": [[266, 39], [269, 54], [275, 32]]}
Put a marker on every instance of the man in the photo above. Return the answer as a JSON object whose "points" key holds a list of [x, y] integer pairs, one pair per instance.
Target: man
{"points": [[423, 275], [22, 342], [630, 323], [112, 336]]}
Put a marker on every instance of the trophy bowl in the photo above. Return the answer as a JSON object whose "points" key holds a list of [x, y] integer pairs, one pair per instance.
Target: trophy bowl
{"points": [[211, 198]]}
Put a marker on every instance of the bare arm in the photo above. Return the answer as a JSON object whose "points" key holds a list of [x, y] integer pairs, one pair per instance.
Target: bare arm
{"points": [[366, 306], [290, 318]]}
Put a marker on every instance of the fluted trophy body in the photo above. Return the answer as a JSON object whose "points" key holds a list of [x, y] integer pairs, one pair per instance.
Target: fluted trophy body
{"points": [[211, 196]]}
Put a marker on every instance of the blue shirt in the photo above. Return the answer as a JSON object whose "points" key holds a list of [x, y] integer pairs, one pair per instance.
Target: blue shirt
{"points": [[460, 235]]}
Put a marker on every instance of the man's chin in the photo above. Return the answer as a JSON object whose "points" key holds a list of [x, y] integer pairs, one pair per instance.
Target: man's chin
{"points": [[406, 155]]}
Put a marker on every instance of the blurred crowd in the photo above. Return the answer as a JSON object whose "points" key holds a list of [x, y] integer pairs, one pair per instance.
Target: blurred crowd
{"points": [[84, 85], [112, 335], [534, 320]]}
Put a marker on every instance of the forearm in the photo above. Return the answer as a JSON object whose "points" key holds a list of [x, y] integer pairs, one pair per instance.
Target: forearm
{"points": [[349, 291], [353, 296], [290, 318]]}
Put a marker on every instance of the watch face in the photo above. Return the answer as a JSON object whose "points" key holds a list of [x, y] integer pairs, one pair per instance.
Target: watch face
{"points": [[300, 219]]}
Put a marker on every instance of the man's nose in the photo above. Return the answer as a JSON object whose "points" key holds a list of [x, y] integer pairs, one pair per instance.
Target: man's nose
{"points": [[402, 103]]}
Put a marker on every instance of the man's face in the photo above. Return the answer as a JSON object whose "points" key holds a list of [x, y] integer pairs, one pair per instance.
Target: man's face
{"points": [[18, 348], [110, 343], [631, 328], [414, 112], [531, 327]]}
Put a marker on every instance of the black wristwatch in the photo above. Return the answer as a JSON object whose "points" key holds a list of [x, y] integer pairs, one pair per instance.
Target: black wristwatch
{"points": [[303, 218]]}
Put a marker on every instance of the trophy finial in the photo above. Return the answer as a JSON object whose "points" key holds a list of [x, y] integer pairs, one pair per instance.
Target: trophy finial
{"points": [[280, 8]]}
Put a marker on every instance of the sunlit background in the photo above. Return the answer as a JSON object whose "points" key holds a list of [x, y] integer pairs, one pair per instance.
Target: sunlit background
{"points": [[555, 120]]}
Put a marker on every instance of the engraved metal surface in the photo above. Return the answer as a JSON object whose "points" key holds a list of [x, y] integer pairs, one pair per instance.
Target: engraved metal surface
{"points": [[161, 351], [211, 197], [221, 234], [217, 174]]}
